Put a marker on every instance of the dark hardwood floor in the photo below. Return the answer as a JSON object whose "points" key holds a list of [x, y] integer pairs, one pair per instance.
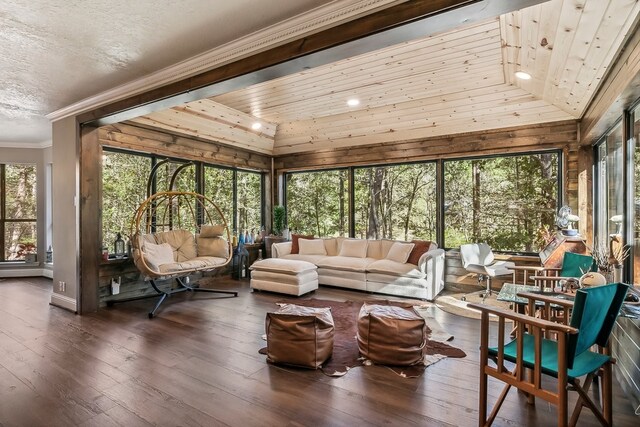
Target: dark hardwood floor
{"points": [[197, 364]]}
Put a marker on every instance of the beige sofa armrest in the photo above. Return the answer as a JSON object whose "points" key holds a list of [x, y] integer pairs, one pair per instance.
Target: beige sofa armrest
{"points": [[278, 250], [432, 256]]}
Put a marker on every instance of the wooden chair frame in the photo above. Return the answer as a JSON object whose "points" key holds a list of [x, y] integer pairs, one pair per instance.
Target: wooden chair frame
{"points": [[530, 380]]}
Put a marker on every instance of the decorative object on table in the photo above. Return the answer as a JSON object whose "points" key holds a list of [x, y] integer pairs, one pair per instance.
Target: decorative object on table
{"points": [[592, 279], [247, 237], [105, 253], [31, 257], [610, 260], [118, 247], [565, 220], [234, 239], [345, 346], [49, 255], [617, 220], [241, 238], [252, 236]]}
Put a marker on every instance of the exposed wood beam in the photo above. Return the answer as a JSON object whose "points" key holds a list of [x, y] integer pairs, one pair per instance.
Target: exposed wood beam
{"points": [[390, 26]]}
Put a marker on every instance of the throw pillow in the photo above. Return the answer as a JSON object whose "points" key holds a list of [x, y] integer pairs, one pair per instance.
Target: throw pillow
{"points": [[421, 247], [399, 252], [354, 248], [211, 230], [312, 247], [156, 255], [213, 246], [295, 246]]}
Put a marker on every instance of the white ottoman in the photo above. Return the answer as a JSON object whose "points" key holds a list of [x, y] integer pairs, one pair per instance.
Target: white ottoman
{"points": [[285, 276]]}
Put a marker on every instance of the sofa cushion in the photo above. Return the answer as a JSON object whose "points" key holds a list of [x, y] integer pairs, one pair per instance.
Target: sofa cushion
{"points": [[421, 247], [285, 266], [331, 246], [386, 245], [394, 268], [156, 255], [346, 263], [355, 248], [212, 246], [295, 248], [399, 252], [374, 249], [311, 247], [211, 230], [313, 259]]}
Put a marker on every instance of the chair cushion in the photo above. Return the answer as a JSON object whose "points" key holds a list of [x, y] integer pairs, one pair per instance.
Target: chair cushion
{"points": [[583, 364], [212, 246], [156, 255], [575, 265], [211, 230], [399, 252], [182, 242], [300, 336]]}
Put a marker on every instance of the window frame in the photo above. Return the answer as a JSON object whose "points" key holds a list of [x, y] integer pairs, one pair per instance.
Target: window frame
{"points": [[200, 185], [559, 186], [3, 209]]}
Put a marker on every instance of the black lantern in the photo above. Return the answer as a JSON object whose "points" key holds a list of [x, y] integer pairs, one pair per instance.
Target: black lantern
{"points": [[118, 247]]}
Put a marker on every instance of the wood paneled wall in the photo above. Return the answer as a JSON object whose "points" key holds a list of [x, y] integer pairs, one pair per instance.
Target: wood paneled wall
{"points": [[136, 138], [139, 139], [558, 135]]}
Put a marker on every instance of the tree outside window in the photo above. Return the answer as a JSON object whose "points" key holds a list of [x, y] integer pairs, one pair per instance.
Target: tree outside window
{"points": [[396, 202], [505, 201], [317, 203], [18, 224]]}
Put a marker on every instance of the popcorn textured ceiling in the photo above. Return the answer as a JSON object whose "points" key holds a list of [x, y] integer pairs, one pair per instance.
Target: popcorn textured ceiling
{"points": [[55, 53]]}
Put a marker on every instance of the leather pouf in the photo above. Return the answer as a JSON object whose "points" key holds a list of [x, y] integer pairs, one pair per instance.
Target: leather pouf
{"points": [[300, 336], [391, 335]]}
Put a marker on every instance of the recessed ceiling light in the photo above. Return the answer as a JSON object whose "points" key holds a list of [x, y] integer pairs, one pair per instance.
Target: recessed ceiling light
{"points": [[353, 102], [523, 76], [256, 126]]}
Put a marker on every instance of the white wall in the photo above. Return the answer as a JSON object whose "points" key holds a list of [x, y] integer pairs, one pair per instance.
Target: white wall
{"points": [[65, 213]]}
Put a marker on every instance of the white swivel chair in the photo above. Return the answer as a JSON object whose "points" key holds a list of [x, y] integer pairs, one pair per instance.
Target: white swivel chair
{"points": [[478, 258]]}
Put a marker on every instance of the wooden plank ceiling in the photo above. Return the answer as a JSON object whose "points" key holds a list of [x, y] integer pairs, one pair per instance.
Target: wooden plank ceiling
{"points": [[459, 81]]}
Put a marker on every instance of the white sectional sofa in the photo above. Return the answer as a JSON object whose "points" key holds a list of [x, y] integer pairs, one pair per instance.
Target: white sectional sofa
{"points": [[371, 265]]}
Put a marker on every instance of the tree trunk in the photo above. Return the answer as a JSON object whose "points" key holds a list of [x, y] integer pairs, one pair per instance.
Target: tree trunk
{"points": [[475, 225], [376, 176]]}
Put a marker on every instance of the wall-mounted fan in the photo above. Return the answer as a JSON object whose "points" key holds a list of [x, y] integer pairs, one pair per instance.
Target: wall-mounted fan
{"points": [[565, 220]]}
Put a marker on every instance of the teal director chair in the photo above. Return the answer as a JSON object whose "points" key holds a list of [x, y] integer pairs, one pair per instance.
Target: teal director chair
{"points": [[567, 358]]}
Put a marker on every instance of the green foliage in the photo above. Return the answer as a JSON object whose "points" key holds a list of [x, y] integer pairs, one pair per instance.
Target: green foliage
{"points": [[278, 219], [317, 202], [19, 198], [249, 201]]}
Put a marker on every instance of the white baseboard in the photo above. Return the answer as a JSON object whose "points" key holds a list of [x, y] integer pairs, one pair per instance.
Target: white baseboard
{"points": [[26, 272], [63, 301]]}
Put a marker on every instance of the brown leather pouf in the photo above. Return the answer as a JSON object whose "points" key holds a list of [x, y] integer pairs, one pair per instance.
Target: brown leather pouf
{"points": [[300, 336], [391, 335]]}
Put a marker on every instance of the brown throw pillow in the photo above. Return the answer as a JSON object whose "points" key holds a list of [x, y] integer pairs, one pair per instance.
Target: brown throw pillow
{"points": [[295, 248], [421, 246]]}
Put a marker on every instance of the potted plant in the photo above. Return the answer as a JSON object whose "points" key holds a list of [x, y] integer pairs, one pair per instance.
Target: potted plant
{"points": [[279, 214]]}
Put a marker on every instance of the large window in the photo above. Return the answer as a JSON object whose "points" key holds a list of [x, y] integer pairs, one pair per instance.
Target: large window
{"points": [[124, 183], [635, 203], [218, 186], [317, 202], [505, 201], [396, 202], [249, 185], [17, 211], [124, 180]]}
